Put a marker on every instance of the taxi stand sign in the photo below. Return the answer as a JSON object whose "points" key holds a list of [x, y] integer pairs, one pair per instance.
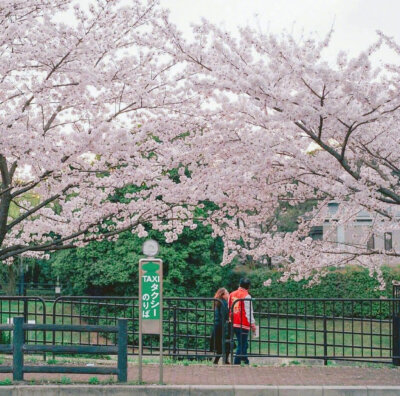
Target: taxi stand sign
{"points": [[150, 295], [150, 305]]}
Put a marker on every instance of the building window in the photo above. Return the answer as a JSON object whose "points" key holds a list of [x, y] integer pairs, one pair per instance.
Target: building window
{"points": [[316, 233], [371, 242], [388, 240], [333, 208]]}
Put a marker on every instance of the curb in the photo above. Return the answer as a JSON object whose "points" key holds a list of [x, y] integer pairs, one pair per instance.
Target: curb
{"points": [[200, 390]]}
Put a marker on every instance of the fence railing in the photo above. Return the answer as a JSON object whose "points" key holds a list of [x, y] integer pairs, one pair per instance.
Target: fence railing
{"points": [[19, 347], [187, 323], [32, 309], [328, 329]]}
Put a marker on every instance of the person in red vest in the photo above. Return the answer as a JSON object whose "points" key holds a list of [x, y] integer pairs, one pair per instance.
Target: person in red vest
{"points": [[241, 316]]}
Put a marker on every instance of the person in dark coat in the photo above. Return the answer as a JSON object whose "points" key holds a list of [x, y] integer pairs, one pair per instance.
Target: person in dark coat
{"points": [[221, 314]]}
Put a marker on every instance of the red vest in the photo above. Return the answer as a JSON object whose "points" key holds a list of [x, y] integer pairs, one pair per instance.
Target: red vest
{"points": [[238, 315]]}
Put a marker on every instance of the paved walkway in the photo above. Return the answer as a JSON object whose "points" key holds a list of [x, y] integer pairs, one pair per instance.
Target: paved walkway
{"points": [[266, 375]]}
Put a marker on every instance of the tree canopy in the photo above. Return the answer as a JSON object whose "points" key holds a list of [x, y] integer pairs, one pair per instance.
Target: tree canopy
{"points": [[111, 100]]}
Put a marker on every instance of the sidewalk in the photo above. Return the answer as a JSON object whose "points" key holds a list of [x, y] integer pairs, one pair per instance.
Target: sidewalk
{"points": [[265, 375]]}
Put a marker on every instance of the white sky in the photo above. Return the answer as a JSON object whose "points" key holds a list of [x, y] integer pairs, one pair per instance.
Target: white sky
{"points": [[354, 21]]}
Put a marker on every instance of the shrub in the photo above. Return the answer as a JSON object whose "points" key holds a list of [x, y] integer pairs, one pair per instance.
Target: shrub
{"points": [[65, 380], [5, 382], [94, 381], [5, 337]]}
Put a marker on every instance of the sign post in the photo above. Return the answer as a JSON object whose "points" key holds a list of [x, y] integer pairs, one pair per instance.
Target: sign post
{"points": [[150, 299]]}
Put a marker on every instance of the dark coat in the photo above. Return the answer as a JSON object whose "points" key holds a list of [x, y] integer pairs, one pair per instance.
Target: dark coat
{"points": [[221, 314]]}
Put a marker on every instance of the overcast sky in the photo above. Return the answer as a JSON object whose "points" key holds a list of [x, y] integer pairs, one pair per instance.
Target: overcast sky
{"points": [[354, 21]]}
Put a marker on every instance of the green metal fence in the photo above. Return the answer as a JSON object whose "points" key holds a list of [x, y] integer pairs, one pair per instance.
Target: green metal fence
{"points": [[19, 347]]}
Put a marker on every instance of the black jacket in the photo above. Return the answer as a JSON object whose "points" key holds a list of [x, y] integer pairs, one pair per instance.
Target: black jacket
{"points": [[221, 315]]}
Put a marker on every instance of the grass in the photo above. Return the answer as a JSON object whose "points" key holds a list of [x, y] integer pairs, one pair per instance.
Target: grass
{"points": [[291, 337], [68, 381]]}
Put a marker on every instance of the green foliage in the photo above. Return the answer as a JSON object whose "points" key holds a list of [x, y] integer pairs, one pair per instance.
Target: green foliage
{"points": [[191, 266], [94, 381], [294, 363], [350, 282], [52, 361], [8, 278], [5, 382], [287, 215], [65, 380], [191, 269], [5, 338], [106, 267]]}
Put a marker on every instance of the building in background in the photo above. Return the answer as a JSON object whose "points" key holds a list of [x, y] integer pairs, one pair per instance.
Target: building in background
{"points": [[357, 233]]}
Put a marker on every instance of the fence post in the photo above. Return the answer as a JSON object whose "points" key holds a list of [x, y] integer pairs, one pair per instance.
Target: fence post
{"points": [[325, 343], [122, 350], [25, 313], [18, 356], [395, 335], [174, 338]]}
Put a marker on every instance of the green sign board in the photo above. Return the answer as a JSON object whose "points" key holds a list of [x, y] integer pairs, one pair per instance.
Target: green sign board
{"points": [[151, 301], [151, 290]]}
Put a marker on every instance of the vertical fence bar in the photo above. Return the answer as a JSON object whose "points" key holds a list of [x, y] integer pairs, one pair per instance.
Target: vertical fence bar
{"points": [[287, 328], [343, 327], [333, 313], [174, 331], [306, 329], [53, 339], [395, 336], [268, 326], [325, 340], [278, 341], [18, 341], [26, 313], [122, 350], [314, 314], [44, 322], [296, 326]]}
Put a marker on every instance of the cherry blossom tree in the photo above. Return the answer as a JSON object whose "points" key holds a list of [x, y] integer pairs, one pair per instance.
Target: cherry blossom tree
{"points": [[298, 127], [91, 107], [111, 119], [102, 132]]}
